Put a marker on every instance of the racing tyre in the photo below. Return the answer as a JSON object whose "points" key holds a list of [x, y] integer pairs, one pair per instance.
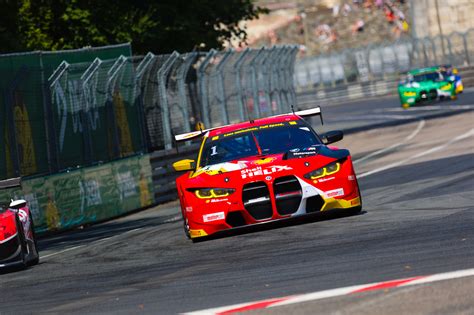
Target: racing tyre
{"points": [[186, 228], [33, 246], [22, 242]]}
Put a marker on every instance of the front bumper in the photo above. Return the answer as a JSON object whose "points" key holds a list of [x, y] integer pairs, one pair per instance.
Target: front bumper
{"points": [[311, 200]]}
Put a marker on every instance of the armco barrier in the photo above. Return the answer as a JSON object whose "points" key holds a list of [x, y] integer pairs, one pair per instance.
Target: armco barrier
{"points": [[87, 195]]}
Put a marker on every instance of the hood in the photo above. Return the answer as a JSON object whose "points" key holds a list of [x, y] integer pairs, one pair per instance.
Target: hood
{"points": [[292, 162]]}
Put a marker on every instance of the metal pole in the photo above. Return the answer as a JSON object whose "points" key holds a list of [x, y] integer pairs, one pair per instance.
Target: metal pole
{"points": [[202, 78], [221, 86], [238, 82], [161, 76]]}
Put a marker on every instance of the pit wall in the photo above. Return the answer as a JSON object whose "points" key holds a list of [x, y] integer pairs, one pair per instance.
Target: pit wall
{"points": [[87, 195]]}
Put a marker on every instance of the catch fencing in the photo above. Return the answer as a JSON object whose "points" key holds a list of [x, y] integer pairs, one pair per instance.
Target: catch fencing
{"points": [[89, 108], [383, 62]]}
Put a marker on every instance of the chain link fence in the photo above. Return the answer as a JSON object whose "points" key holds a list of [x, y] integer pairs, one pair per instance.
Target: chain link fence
{"points": [[383, 62], [84, 113]]}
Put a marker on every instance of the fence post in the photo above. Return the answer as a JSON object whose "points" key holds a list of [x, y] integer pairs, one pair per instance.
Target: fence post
{"points": [[221, 86], [466, 48], [161, 76], [274, 79], [238, 82], [253, 69], [291, 73], [181, 81], [140, 74], [112, 78], [202, 78]]}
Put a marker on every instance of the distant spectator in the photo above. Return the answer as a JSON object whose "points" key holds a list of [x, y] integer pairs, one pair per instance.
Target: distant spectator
{"points": [[389, 15], [379, 4], [358, 26], [335, 10], [346, 9]]}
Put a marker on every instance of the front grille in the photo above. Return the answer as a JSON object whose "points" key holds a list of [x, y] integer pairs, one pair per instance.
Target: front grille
{"points": [[288, 194], [314, 204], [256, 199]]}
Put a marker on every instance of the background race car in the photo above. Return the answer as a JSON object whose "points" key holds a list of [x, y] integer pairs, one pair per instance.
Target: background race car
{"points": [[427, 84], [17, 235], [263, 170]]}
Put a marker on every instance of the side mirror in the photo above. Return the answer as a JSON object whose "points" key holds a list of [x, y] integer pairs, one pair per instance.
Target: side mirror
{"points": [[184, 165], [332, 136]]}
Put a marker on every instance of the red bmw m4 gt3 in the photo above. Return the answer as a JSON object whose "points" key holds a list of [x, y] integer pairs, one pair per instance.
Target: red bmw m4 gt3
{"points": [[263, 170]]}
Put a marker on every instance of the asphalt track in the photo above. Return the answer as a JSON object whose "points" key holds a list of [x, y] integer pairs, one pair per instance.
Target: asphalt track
{"points": [[417, 181]]}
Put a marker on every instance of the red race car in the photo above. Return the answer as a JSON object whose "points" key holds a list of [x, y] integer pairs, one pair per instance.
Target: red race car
{"points": [[17, 235], [263, 170]]}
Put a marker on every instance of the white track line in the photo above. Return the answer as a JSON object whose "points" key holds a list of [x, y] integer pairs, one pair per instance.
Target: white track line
{"points": [[432, 150], [420, 126], [61, 251], [294, 299]]}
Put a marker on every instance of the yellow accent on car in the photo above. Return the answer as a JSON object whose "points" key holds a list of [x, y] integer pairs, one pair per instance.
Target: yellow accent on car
{"points": [[183, 165], [197, 233], [446, 87], [459, 88], [409, 94], [293, 123], [208, 193], [327, 170], [332, 203]]}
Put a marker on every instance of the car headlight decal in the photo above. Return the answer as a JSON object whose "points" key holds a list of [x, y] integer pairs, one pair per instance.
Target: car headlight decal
{"points": [[208, 193], [329, 169], [409, 94]]}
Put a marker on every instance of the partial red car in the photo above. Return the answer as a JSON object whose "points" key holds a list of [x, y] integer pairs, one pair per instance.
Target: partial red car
{"points": [[18, 245], [263, 170]]}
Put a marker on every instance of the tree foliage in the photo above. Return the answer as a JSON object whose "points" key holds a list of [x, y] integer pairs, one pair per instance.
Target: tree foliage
{"points": [[159, 26]]}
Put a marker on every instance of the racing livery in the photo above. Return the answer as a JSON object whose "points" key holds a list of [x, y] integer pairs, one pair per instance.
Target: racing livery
{"points": [[17, 236], [263, 170], [426, 84], [452, 74]]}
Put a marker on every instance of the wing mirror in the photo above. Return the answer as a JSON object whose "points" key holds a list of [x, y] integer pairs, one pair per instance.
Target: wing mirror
{"points": [[332, 136], [184, 165]]}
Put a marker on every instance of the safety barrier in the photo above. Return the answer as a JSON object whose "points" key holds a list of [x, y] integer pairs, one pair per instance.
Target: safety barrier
{"points": [[86, 195]]}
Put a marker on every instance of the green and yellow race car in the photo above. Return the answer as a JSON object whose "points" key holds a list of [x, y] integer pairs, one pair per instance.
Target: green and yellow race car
{"points": [[426, 84]]}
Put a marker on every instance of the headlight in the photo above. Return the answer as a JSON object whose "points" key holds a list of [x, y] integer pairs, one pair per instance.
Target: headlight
{"points": [[409, 94], [207, 193], [446, 87], [324, 171]]}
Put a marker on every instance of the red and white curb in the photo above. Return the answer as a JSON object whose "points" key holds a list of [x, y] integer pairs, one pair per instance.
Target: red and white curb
{"points": [[335, 292]]}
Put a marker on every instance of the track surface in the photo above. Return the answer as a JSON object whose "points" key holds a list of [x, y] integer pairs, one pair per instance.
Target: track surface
{"points": [[417, 181]]}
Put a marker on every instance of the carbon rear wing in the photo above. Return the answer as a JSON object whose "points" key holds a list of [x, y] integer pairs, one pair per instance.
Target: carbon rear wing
{"points": [[316, 111], [10, 183]]}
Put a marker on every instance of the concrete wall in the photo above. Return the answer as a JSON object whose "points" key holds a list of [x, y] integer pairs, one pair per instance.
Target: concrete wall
{"points": [[454, 15]]}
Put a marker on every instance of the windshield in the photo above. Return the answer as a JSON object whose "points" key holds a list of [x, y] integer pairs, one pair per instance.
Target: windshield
{"points": [[272, 139], [432, 76]]}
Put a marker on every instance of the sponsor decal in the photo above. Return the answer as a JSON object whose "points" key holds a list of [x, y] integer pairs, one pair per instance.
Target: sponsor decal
{"points": [[351, 177], [126, 184], [293, 123], [335, 193], [258, 171], [189, 209], [322, 180], [254, 129], [268, 178], [215, 138], [213, 217]]}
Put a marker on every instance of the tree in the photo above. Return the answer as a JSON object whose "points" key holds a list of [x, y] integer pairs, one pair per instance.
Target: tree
{"points": [[159, 26]]}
